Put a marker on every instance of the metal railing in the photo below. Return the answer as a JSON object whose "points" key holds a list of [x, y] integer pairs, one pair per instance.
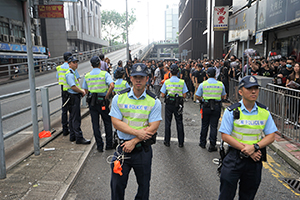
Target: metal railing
{"points": [[20, 69], [283, 104], [145, 51]]}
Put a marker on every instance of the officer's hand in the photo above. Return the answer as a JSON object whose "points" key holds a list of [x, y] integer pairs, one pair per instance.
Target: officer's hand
{"points": [[128, 146], [256, 156], [83, 93], [143, 134], [248, 149], [280, 75]]}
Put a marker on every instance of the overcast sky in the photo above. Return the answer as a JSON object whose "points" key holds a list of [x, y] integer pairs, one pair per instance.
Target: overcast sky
{"points": [[139, 32]]}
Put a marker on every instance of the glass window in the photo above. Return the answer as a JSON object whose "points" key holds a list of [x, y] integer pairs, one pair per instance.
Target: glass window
{"points": [[168, 23], [91, 6], [168, 17], [4, 28], [96, 10]]}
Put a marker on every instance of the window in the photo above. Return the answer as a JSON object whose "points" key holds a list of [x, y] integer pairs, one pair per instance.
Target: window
{"points": [[91, 7], [4, 28], [96, 10], [85, 3], [18, 32]]}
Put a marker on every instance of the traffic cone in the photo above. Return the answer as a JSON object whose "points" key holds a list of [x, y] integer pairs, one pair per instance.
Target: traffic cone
{"points": [[44, 134]]}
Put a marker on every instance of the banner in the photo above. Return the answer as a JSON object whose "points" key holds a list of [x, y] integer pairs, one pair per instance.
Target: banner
{"points": [[221, 18], [51, 11]]}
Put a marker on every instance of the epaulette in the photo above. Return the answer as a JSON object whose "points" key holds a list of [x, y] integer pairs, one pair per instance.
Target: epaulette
{"points": [[151, 94], [71, 72], [233, 106], [262, 105], [124, 91]]}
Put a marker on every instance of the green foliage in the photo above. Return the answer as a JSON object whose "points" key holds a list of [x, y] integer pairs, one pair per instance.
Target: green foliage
{"points": [[114, 25]]}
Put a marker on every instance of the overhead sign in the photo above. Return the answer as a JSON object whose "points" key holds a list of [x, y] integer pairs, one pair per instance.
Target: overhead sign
{"points": [[221, 18], [258, 38], [22, 48], [51, 11]]}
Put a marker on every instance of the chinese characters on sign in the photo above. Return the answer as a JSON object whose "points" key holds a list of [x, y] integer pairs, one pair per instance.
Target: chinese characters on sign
{"points": [[221, 18], [51, 11]]}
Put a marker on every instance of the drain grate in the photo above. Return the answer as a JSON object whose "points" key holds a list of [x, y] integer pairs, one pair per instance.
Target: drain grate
{"points": [[293, 183]]}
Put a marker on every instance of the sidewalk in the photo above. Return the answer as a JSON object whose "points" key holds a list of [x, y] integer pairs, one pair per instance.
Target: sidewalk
{"points": [[49, 175]]}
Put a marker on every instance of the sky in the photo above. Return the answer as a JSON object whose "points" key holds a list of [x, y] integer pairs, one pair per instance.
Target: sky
{"points": [[138, 33]]}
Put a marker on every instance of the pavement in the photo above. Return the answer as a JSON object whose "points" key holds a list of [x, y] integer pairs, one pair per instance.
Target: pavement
{"points": [[52, 174]]}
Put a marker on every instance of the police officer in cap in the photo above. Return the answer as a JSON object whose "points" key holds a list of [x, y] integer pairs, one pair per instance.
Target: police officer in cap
{"points": [[99, 85], [60, 75], [136, 114], [174, 90], [120, 83], [210, 93], [74, 93], [242, 127]]}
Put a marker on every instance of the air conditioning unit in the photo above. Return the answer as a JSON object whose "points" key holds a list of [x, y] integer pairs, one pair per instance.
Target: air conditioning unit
{"points": [[23, 40], [39, 40], [32, 38], [12, 39], [5, 38]]}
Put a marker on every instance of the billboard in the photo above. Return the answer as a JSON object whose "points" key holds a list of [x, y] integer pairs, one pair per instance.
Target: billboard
{"points": [[51, 11], [221, 18]]}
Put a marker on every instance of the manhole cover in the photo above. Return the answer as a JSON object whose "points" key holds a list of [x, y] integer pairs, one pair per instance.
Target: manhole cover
{"points": [[293, 183]]}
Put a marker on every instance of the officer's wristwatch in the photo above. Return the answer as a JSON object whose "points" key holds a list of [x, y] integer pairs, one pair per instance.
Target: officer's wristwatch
{"points": [[256, 147]]}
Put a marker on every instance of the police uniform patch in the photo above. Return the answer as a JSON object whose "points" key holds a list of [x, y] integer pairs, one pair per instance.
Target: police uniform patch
{"points": [[138, 69]]}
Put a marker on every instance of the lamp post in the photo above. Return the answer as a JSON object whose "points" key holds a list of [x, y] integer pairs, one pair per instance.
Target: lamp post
{"points": [[127, 45]]}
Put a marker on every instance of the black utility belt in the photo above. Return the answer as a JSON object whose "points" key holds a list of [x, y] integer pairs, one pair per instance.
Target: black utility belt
{"points": [[94, 99], [174, 100], [208, 104], [142, 145], [244, 156]]}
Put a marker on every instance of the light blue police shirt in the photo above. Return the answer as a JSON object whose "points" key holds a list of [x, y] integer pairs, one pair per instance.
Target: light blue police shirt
{"points": [[65, 65], [155, 114], [211, 81], [173, 79], [119, 81], [95, 71], [227, 120], [71, 81]]}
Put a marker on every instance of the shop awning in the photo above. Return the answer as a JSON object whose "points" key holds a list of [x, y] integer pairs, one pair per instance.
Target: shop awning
{"points": [[21, 55]]}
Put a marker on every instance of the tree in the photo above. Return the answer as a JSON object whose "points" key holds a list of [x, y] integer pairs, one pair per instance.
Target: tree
{"points": [[114, 25]]}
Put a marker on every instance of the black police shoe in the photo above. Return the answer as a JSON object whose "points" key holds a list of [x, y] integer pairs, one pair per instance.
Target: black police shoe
{"points": [[72, 139], [202, 146], [100, 150], [167, 144], [65, 133], [109, 148], [180, 145], [83, 141], [212, 148]]}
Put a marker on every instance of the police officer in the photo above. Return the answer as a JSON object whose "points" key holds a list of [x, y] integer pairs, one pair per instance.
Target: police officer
{"points": [[174, 90], [136, 114], [242, 126], [60, 75], [120, 83], [210, 93], [96, 83], [74, 95]]}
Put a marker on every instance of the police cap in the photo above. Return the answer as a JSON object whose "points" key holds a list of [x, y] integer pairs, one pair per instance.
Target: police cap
{"points": [[119, 72], [139, 69], [72, 59], [174, 69], [211, 72], [248, 82], [95, 61], [67, 55]]}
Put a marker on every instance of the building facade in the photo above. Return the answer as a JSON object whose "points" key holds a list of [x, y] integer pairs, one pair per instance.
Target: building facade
{"points": [[192, 24], [12, 36], [79, 30], [171, 23]]}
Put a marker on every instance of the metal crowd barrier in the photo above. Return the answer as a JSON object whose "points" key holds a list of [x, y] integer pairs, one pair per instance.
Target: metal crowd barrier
{"points": [[45, 102], [44, 65], [283, 104]]}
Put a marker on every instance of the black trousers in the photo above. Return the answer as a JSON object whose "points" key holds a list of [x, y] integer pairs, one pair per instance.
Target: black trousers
{"points": [[95, 112], [235, 169], [141, 162], [64, 111], [75, 118], [169, 111], [210, 118]]}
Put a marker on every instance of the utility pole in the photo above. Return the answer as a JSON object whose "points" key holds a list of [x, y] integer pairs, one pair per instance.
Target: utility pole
{"points": [[27, 27], [127, 45]]}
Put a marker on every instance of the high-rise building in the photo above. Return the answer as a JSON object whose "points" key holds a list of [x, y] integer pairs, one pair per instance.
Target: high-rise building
{"points": [[171, 23], [192, 24]]}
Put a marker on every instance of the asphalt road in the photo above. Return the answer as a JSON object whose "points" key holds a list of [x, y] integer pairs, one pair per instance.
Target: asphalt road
{"points": [[180, 173], [22, 101]]}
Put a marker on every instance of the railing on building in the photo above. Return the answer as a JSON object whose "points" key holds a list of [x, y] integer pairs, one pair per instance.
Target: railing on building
{"points": [[283, 104], [45, 65]]}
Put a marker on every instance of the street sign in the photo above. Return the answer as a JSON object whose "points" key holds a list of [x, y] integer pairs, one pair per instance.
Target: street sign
{"points": [[220, 18]]}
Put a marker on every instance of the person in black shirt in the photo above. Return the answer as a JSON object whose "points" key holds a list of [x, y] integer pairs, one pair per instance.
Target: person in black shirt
{"points": [[185, 75], [283, 74], [265, 70]]}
